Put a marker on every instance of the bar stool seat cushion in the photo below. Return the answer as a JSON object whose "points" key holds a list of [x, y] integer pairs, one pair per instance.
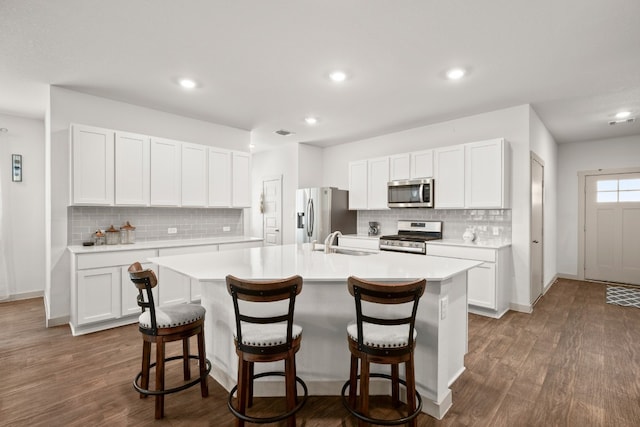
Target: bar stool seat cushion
{"points": [[382, 336], [267, 335], [173, 315]]}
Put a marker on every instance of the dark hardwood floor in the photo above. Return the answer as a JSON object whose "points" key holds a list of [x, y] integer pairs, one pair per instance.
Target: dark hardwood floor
{"points": [[574, 362]]}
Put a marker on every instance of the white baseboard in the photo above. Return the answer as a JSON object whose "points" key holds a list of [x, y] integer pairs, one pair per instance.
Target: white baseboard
{"points": [[521, 308], [24, 295], [567, 276], [58, 321]]}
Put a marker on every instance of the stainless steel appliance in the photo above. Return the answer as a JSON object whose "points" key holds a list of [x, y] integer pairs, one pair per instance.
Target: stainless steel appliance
{"points": [[412, 236], [321, 211], [413, 193]]}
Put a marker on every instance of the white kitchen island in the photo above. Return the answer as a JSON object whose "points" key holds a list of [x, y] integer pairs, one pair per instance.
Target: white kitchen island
{"points": [[324, 308]]}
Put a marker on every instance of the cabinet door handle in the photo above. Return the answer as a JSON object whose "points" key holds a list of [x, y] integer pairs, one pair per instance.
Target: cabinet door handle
{"points": [[535, 241]]}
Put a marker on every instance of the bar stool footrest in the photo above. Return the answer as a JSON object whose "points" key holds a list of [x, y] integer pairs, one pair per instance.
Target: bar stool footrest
{"points": [[265, 420], [191, 383], [379, 421]]}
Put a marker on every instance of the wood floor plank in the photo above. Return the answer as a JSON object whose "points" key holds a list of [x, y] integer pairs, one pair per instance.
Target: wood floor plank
{"points": [[574, 361]]}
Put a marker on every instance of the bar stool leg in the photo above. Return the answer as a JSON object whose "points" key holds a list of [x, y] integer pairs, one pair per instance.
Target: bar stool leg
{"points": [[411, 389], [364, 391], [159, 379], [146, 362], [202, 361], [290, 379], [243, 383], [353, 381], [185, 359], [395, 385], [250, 387]]}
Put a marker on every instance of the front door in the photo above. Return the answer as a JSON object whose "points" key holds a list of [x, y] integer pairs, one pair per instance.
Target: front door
{"points": [[612, 228], [272, 211]]}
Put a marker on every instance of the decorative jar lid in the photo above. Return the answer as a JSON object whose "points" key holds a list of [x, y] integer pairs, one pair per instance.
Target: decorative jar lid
{"points": [[112, 229], [99, 233], [127, 226]]}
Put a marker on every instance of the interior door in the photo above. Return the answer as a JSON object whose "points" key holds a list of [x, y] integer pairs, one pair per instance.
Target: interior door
{"points": [[612, 228], [272, 211], [537, 221]]}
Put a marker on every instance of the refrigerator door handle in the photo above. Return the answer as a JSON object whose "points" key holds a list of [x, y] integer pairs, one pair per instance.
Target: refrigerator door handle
{"points": [[310, 217]]}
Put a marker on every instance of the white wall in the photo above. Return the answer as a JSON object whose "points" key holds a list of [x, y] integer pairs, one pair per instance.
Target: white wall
{"points": [[310, 166], [583, 156], [67, 107], [511, 124], [22, 205], [267, 164], [545, 147]]}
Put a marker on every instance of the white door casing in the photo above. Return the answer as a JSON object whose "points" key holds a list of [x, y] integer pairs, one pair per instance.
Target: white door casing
{"points": [[612, 227], [537, 227], [271, 205]]}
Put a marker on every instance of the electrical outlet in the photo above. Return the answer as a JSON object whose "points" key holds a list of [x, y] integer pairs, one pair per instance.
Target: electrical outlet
{"points": [[444, 305], [172, 230], [226, 228]]}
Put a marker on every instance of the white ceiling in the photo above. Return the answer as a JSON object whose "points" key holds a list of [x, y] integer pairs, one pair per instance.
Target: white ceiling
{"points": [[262, 65]]}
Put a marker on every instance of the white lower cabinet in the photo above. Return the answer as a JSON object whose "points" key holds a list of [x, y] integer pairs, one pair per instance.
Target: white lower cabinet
{"points": [[98, 295], [488, 285]]}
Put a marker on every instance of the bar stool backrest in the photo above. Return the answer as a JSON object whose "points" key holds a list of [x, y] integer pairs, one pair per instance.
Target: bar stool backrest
{"points": [[385, 293], [264, 291], [145, 280]]}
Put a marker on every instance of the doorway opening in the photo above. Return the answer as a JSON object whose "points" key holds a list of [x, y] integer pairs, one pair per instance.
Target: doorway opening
{"points": [[537, 229]]}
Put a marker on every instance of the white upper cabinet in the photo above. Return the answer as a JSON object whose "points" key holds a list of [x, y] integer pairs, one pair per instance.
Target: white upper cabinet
{"points": [[92, 166], [358, 185], [132, 173], [219, 178], [378, 178], [400, 167], [368, 183], [488, 176], [165, 172], [449, 175], [241, 180], [421, 164], [194, 175]]}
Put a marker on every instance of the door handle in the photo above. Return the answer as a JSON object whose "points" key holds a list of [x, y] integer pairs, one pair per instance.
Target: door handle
{"points": [[276, 230], [535, 241]]}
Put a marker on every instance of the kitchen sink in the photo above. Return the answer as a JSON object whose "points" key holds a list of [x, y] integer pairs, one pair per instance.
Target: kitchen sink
{"points": [[351, 252]]}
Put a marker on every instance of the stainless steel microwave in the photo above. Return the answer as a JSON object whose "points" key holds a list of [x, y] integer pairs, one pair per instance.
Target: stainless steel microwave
{"points": [[413, 193]]}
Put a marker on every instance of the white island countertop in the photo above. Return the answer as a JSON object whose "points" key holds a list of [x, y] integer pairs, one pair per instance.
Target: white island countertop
{"points": [[273, 262]]}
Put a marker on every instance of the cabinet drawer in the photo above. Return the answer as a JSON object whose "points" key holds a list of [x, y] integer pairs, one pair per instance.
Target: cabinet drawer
{"points": [[188, 250], [478, 254], [109, 259]]}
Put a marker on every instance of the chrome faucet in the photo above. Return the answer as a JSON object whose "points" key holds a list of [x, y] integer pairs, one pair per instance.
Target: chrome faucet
{"points": [[330, 241]]}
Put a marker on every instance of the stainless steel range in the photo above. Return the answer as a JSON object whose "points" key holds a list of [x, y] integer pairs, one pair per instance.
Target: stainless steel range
{"points": [[412, 236]]}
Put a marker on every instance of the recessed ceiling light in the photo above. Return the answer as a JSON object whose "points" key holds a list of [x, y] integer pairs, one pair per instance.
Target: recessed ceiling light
{"points": [[187, 83], [623, 114], [338, 76], [456, 73], [310, 120], [252, 146]]}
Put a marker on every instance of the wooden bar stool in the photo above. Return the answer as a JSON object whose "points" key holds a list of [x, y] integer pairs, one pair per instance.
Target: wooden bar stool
{"points": [[162, 325], [384, 340], [266, 338]]}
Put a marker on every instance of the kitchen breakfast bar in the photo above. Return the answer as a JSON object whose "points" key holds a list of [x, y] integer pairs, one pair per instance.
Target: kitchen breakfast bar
{"points": [[324, 308]]}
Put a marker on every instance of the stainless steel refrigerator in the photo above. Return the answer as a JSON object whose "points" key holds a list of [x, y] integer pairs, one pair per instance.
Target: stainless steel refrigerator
{"points": [[321, 211]]}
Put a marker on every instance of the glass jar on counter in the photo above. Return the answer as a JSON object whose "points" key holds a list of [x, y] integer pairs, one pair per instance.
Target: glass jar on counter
{"points": [[99, 238], [127, 234], [113, 235]]}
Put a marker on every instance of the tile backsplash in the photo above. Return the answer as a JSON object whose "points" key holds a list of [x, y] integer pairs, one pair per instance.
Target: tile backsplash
{"points": [[489, 224], [152, 223]]}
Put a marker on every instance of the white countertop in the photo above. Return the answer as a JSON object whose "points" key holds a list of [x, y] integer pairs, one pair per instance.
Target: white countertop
{"points": [[489, 244], [161, 244], [274, 262]]}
